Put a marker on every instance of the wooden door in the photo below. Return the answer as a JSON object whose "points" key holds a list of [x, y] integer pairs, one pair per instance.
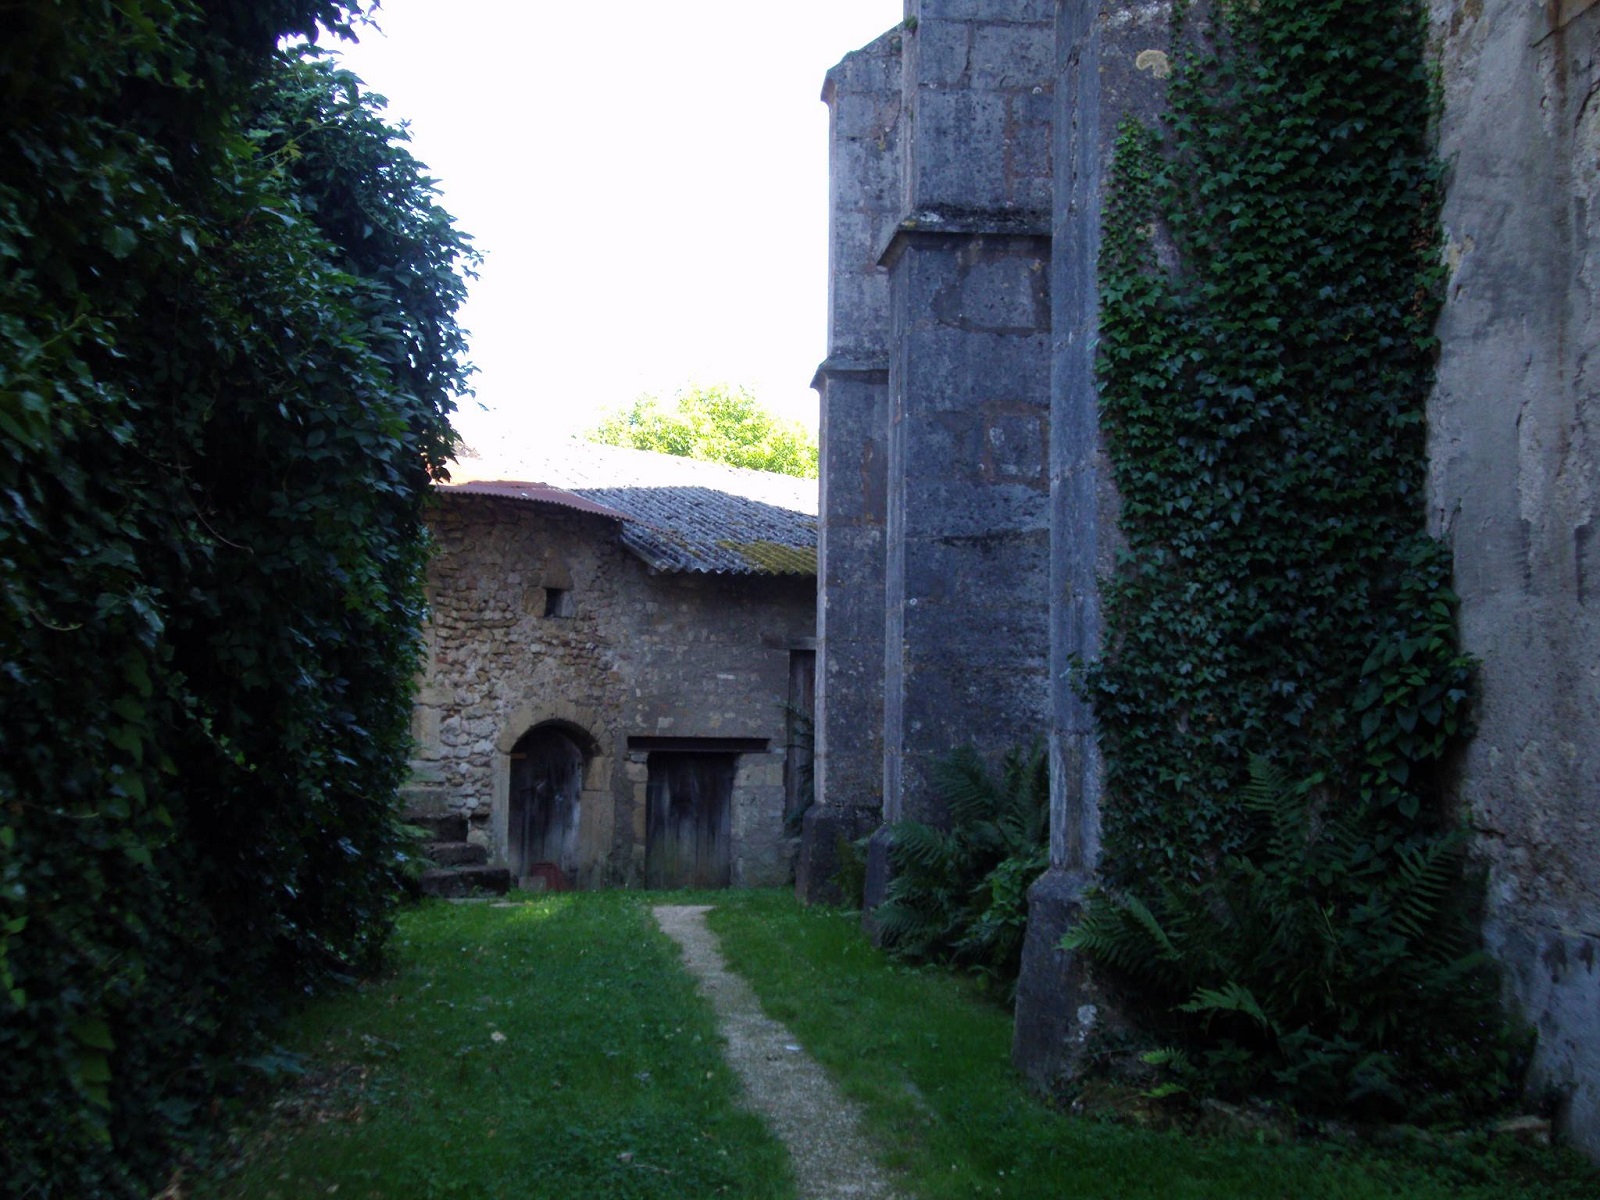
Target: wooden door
{"points": [[546, 779], [688, 811]]}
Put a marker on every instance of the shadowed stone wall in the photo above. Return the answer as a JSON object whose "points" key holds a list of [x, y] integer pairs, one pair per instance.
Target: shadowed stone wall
{"points": [[967, 561], [1515, 469], [934, 542]]}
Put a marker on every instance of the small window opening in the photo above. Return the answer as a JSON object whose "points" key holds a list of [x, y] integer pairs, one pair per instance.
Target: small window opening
{"points": [[558, 602]]}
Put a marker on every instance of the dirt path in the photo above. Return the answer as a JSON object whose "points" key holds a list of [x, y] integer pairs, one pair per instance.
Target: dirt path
{"points": [[832, 1159]]}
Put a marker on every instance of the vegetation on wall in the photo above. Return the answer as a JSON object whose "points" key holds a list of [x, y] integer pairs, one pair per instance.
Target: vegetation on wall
{"points": [[227, 356], [717, 423], [959, 895], [1269, 278]]}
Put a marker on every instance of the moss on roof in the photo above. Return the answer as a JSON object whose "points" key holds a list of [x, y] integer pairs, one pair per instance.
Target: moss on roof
{"points": [[774, 558]]}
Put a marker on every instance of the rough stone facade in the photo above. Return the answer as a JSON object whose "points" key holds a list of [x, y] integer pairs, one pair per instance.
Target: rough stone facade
{"points": [[969, 151], [1515, 469], [625, 661]]}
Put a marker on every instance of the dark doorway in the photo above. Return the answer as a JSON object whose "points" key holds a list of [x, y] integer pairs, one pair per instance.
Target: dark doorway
{"points": [[546, 778], [688, 805]]}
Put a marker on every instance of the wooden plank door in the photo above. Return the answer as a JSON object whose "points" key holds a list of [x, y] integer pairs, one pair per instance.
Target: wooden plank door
{"points": [[688, 819], [546, 779]]}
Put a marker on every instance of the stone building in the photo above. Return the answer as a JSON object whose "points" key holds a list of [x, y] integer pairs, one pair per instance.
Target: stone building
{"points": [[966, 510], [618, 670]]}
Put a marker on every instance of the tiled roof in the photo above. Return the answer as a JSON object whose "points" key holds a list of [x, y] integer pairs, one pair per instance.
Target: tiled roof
{"points": [[683, 514], [536, 493]]}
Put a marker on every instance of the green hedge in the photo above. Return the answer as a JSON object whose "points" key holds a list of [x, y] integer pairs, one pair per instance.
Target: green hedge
{"points": [[227, 356]]}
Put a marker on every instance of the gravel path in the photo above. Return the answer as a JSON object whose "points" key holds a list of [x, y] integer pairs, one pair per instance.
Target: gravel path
{"points": [[832, 1159]]}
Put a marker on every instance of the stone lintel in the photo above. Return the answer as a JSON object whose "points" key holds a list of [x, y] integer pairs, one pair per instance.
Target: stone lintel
{"points": [[859, 370], [935, 227]]}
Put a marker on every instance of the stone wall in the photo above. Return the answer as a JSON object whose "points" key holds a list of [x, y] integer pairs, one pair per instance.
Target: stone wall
{"points": [[967, 556], [1109, 63], [641, 655], [863, 97], [1514, 475], [998, 142], [934, 533]]}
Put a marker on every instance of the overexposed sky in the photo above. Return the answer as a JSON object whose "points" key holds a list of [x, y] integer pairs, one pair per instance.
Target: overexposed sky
{"points": [[647, 182]]}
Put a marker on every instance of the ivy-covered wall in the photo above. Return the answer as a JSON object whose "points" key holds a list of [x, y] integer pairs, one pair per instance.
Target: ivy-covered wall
{"points": [[1281, 681], [1480, 483]]}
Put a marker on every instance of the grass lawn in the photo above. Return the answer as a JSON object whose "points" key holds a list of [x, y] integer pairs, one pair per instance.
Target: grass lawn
{"points": [[929, 1059], [556, 1048], [553, 1048]]}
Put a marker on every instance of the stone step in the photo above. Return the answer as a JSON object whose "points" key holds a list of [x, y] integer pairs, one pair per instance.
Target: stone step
{"points": [[464, 881], [456, 854], [441, 827]]}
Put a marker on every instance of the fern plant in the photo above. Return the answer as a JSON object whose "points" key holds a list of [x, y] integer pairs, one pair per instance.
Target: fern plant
{"points": [[959, 895], [1329, 961]]}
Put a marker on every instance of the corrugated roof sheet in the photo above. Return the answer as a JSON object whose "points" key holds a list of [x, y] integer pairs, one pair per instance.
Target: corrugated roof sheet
{"points": [[682, 514]]}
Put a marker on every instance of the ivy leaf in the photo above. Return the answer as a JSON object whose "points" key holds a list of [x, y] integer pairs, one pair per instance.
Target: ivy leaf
{"points": [[120, 241]]}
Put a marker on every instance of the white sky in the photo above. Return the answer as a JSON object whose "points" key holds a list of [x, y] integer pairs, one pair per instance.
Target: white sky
{"points": [[647, 182]]}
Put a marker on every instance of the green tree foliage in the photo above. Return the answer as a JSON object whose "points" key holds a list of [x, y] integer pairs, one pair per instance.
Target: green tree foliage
{"points": [[717, 424], [1269, 276], [227, 356]]}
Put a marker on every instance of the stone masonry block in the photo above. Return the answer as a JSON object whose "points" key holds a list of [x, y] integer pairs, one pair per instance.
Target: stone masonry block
{"points": [[975, 510], [1009, 11], [873, 68], [1030, 153], [958, 158], [1060, 1002], [864, 114], [943, 49], [855, 251], [814, 876], [858, 322], [953, 371], [997, 291], [1016, 446], [986, 572], [1013, 56], [867, 173]]}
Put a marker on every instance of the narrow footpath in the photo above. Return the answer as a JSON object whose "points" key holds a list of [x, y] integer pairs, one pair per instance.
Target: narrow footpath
{"points": [[832, 1158]]}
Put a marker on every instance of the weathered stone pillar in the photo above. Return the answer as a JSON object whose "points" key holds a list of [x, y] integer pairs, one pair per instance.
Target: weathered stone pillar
{"points": [[1110, 61], [863, 96], [968, 544]]}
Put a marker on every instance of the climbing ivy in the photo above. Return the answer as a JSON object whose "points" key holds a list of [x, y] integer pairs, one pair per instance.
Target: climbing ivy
{"points": [[1269, 279], [227, 356]]}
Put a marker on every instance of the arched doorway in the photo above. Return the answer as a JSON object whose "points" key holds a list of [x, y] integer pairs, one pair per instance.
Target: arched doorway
{"points": [[546, 778]]}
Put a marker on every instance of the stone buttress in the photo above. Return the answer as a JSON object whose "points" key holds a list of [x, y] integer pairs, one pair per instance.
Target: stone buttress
{"points": [[863, 98]]}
